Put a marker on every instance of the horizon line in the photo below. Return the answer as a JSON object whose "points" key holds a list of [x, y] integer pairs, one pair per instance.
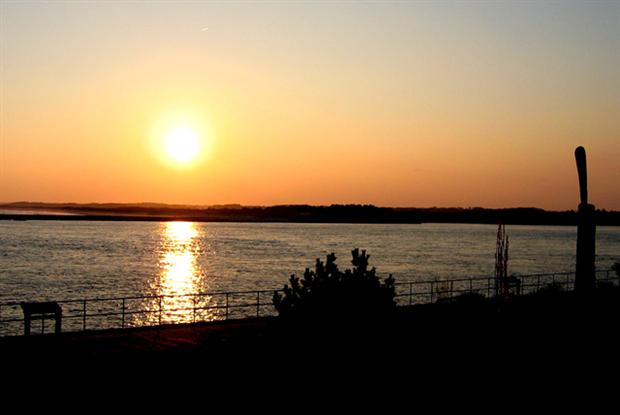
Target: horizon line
{"points": [[188, 205]]}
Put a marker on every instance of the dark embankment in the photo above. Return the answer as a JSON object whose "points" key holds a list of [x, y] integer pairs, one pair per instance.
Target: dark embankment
{"points": [[295, 213], [550, 329]]}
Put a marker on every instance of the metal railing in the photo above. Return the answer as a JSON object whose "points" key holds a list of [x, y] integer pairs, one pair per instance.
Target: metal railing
{"points": [[153, 310], [430, 291], [150, 310]]}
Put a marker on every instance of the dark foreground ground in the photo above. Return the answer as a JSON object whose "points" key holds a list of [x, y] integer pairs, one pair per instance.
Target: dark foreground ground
{"points": [[544, 333]]}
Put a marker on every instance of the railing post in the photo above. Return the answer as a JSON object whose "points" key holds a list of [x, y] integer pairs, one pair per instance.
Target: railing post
{"points": [[431, 292], [160, 305], [257, 304], [471, 285], [226, 306], [538, 283], [489, 287], [410, 293], [123, 315], [194, 312], [84, 315]]}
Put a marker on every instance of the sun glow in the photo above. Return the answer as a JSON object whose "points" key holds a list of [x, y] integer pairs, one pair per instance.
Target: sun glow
{"points": [[182, 145], [181, 139]]}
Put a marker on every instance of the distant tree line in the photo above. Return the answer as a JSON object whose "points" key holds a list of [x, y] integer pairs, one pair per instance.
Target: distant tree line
{"points": [[513, 216], [307, 213]]}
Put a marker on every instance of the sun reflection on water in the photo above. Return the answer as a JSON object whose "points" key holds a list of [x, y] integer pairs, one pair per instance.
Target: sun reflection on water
{"points": [[180, 232], [178, 273], [178, 264], [179, 276]]}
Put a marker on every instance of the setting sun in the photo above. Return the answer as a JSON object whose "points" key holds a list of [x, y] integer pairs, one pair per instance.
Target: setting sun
{"points": [[182, 145], [181, 138]]}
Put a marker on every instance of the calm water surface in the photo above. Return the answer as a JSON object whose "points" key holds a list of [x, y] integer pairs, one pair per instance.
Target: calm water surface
{"points": [[44, 260]]}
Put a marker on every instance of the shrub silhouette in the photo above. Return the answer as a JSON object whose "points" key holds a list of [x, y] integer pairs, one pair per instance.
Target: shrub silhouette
{"points": [[328, 294], [552, 289], [471, 299]]}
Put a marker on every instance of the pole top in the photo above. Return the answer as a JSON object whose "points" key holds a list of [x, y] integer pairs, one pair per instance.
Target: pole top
{"points": [[582, 172]]}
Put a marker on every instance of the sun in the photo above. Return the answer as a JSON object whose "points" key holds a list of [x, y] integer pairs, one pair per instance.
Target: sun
{"points": [[182, 145], [181, 139]]}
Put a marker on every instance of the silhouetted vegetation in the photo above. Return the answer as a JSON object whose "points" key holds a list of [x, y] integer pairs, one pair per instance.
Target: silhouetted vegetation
{"points": [[326, 293], [616, 267], [471, 299], [550, 290]]}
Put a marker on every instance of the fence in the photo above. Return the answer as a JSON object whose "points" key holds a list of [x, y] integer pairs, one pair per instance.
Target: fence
{"points": [[151, 310], [430, 291], [137, 311]]}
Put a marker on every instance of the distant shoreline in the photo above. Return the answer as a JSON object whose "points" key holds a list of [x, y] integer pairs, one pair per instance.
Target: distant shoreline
{"points": [[128, 218], [355, 214]]}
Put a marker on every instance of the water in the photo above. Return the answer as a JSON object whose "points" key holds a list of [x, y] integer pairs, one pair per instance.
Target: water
{"points": [[61, 260], [44, 260]]}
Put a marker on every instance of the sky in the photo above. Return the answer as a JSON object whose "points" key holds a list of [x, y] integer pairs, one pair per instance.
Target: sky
{"points": [[390, 103]]}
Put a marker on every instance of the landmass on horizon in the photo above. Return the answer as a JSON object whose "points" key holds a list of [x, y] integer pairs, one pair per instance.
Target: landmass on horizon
{"points": [[335, 213]]}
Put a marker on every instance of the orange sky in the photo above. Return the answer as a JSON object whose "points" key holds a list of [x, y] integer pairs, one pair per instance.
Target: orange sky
{"points": [[451, 104]]}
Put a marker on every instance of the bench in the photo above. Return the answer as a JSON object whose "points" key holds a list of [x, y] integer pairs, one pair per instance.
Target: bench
{"points": [[41, 311]]}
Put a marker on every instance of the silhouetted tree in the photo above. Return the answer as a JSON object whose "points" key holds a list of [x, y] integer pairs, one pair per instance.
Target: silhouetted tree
{"points": [[327, 293]]}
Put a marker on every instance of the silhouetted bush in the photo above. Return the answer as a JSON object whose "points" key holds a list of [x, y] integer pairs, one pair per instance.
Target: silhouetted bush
{"points": [[471, 299], [553, 289], [605, 285], [616, 267], [327, 293]]}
